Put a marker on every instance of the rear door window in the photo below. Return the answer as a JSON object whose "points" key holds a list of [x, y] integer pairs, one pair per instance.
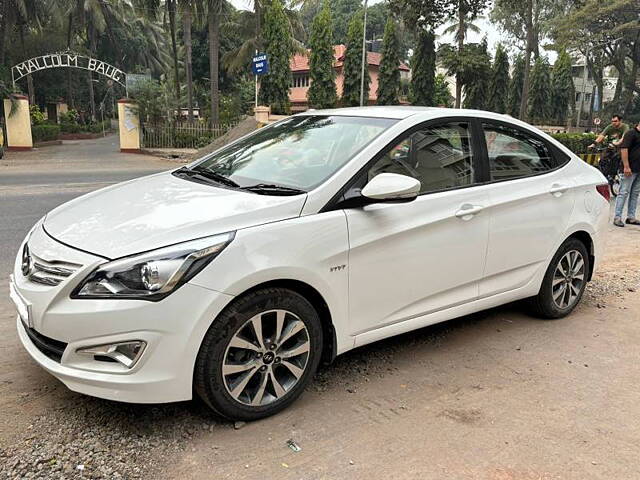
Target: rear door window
{"points": [[514, 153]]}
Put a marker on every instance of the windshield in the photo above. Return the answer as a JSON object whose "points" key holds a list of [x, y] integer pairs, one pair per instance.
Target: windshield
{"points": [[299, 152]]}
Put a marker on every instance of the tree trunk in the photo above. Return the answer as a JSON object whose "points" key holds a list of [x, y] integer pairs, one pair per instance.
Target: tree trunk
{"points": [[214, 50], [592, 104], [92, 49], [70, 101], [187, 20], [171, 7], [627, 99], [527, 60], [30, 91], [617, 93], [627, 96], [257, 8], [3, 31], [460, 35]]}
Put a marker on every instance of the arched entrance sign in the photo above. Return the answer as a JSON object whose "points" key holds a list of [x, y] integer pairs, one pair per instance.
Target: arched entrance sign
{"points": [[67, 60]]}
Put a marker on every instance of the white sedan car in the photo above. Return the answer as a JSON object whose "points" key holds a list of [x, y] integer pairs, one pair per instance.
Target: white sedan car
{"points": [[236, 275]]}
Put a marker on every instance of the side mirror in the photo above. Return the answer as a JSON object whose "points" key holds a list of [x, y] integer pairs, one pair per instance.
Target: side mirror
{"points": [[387, 187]]}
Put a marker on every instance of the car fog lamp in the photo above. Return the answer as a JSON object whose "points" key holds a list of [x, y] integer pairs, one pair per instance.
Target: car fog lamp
{"points": [[126, 353]]}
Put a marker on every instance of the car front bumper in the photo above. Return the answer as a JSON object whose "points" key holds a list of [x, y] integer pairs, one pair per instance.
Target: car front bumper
{"points": [[172, 329]]}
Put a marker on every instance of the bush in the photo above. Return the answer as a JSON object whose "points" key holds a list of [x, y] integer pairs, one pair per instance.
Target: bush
{"points": [[37, 117], [97, 127], [190, 140], [45, 132], [69, 127], [576, 142]]}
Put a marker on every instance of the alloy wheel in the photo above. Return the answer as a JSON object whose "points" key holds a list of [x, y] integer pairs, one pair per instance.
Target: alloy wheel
{"points": [[568, 279], [266, 357]]}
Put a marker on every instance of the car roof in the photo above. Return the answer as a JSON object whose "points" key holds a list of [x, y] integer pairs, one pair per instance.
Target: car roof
{"points": [[404, 111]]}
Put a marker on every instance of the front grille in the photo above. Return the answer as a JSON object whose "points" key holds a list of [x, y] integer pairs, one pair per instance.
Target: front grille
{"points": [[50, 347], [49, 272]]}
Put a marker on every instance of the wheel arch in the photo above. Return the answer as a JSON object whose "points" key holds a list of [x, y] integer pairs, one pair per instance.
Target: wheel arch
{"points": [[329, 347], [587, 240]]}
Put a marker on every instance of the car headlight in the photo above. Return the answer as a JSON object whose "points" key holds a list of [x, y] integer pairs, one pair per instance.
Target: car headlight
{"points": [[152, 275]]}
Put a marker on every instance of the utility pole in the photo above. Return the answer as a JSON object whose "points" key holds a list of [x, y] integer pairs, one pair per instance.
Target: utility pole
{"points": [[364, 55]]}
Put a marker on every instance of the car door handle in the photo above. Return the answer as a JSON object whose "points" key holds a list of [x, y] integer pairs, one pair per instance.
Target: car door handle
{"points": [[557, 189], [468, 211]]}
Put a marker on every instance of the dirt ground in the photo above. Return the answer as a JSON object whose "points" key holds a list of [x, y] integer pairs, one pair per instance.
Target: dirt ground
{"points": [[497, 396]]}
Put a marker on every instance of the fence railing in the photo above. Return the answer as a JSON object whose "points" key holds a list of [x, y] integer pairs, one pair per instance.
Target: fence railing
{"points": [[182, 134]]}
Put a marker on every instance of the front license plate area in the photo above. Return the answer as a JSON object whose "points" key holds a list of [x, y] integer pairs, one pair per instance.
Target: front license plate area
{"points": [[23, 308]]}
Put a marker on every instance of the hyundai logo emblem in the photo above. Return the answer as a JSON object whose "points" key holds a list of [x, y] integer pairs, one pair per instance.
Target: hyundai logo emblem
{"points": [[26, 261]]}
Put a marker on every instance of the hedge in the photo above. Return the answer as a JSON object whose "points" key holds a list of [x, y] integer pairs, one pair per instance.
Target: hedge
{"points": [[576, 142], [45, 132], [91, 128]]}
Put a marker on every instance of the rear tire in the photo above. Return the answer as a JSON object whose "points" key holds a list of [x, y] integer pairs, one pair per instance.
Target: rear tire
{"points": [[564, 281], [259, 354]]}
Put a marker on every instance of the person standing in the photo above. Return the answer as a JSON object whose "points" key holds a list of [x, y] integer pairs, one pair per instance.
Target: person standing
{"points": [[630, 183]]}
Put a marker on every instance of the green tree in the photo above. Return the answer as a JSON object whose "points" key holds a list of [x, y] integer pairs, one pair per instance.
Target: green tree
{"points": [[322, 91], [527, 21], [341, 12], [562, 88], [540, 93], [499, 88], [515, 87], [476, 91], [423, 65], [466, 12], [353, 65], [389, 78], [248, 27], [442, 95], [606, 33], [274, 88]]}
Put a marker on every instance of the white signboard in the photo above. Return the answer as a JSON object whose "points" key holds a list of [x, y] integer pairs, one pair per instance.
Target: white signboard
{"points": [[67, 60]]}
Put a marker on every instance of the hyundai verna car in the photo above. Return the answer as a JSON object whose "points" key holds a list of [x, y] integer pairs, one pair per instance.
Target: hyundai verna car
{"points": [[234, 276]]}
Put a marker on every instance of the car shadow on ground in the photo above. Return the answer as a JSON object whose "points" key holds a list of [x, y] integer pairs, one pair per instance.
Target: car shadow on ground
{"points": [[110, 437], [371, 359]]}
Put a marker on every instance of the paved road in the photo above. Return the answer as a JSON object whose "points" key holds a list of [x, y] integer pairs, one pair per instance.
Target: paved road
{"points": [[31, 184]]}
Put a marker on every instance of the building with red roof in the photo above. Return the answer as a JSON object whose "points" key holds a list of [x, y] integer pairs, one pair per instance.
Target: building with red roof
{"points": [[300, 72]]}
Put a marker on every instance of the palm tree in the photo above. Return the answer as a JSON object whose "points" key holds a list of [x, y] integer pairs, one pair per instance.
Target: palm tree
{"points": [[214, 8], [28, 16], [247, 25], [460, 26], [171, 8], [187, 7]]}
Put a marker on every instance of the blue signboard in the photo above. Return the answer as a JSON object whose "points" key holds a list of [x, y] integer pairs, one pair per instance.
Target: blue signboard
{"points": [[260, 64]]}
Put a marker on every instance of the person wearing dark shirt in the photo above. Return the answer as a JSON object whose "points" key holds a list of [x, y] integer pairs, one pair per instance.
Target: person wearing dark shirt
{"points": [[630, 183]]}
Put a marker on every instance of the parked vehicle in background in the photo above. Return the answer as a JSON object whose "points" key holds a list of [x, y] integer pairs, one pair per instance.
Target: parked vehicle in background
{"points": [[236, 275]]}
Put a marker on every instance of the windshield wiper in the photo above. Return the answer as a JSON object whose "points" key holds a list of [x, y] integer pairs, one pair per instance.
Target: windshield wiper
{"points": [[208, 174], [273, 189]]}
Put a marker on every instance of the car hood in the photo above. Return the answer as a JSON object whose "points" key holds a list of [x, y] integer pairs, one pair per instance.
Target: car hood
{"points": [[159, 210]]}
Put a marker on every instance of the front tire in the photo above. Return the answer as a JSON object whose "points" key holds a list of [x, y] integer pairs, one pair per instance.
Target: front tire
{"points": [[259, 354], [564, 281]]}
